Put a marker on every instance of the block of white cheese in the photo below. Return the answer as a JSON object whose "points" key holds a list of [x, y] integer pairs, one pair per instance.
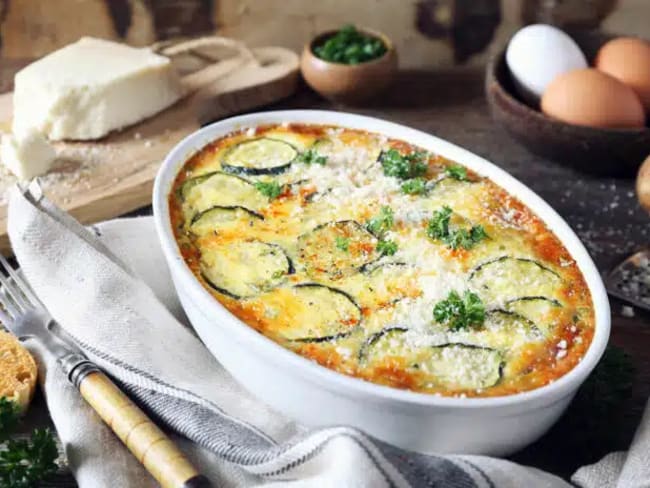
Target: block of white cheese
{"points": [[26, 154], [91, 87]]}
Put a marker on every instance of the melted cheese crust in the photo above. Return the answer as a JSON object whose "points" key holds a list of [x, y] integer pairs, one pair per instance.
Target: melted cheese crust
{"points": [[382, 329]]}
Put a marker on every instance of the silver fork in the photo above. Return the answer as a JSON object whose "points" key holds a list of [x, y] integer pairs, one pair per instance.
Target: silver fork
{"points": [[28, 319]]}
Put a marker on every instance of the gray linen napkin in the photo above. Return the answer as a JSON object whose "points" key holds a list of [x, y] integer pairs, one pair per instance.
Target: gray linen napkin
{"points": [[110, 289]]}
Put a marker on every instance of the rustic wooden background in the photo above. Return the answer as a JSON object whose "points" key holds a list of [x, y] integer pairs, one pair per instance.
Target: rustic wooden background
{"points": [[427, 33]]}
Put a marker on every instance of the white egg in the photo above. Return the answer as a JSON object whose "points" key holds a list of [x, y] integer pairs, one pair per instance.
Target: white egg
{"points": [[539, 53]]}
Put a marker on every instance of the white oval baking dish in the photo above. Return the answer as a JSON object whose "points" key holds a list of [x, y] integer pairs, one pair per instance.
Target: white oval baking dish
{"points": [[317, 396]]}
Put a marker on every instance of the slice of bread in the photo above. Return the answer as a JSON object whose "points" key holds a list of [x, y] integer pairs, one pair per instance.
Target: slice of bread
{"points": [[17, 371]]}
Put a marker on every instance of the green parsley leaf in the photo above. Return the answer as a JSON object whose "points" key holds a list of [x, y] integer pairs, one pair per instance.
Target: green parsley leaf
{"points": [[438, 229], [343, 243], [349, 46], [311, 156], [415, 186], [457, 172], [403, 166], [460, 312], [24, 463], [270, 189], [381, 223], [438, 226], [387, 248], [8, 417]]}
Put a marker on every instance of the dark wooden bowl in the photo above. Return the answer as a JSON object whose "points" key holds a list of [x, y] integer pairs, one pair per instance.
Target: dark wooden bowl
{"points": [[612, 152], [345, 83]]}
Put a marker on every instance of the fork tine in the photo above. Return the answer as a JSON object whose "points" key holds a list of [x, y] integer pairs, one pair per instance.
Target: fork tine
{"points": [[12, 294], [10, 307], [22, 285]]}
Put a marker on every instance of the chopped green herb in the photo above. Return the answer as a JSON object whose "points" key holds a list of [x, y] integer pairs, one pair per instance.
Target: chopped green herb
{"points": [[311, 156], [387, 248], [403, 166], [24, 463], [456, 172], [270, 189], [343, 243], [460, 312], [438, 229], [415, 186], [349, 46], [382, 223], [277, 275]]}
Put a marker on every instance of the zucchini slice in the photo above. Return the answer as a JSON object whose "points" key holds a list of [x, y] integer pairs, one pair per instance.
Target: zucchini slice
{"points": [[464, 367], [261, 156], [218, 217], [380, 343], [505, 330], [541, 310], [454, 366], [220, 190], [337, 249], [244, 268], [319, 313], [507, 277]]}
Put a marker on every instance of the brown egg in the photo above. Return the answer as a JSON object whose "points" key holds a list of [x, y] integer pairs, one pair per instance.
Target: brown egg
{"points": [[628, 60], [592, 98]]}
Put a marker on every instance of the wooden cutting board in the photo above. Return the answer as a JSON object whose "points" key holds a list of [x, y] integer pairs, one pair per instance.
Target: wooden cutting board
{"points": [[101, 179]]}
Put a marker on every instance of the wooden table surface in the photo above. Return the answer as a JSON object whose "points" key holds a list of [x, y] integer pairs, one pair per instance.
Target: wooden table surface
{"points": [[605, 214]]}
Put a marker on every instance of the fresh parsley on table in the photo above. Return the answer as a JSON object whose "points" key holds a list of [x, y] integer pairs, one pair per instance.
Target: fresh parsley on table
{"points": [[459, 312], [438, 229], [24, 462], [350, 46]]}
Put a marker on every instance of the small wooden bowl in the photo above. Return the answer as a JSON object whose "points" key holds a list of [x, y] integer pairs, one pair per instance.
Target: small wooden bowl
{"points": [[349, 83], [612, 152]]}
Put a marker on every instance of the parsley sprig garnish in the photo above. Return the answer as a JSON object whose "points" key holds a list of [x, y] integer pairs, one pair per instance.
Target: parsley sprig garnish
{"points": [[311, 156], [342, 243], [416, 186], [456, 172], [349, 46], [270, 189], [379, 226], [458, 312], [403, 166], [23, 463], [438, 229], [382, 223], [387, 248]]}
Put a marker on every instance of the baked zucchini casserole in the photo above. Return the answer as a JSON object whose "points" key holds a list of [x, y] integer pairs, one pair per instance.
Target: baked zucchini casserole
{"points": [[381, 261]]}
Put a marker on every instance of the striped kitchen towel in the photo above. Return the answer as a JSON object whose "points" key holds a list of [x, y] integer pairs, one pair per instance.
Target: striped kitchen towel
{"points": [[110, 289]]}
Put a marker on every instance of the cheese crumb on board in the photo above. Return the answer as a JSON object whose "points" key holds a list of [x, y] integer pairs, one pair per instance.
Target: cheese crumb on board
{"points": [[92, 87], [26, 154]]}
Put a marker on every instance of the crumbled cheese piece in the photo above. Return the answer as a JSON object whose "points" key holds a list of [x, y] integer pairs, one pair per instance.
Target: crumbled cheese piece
{"points": [[91, 87], [27, 154], [561, 353], [562, 344]]}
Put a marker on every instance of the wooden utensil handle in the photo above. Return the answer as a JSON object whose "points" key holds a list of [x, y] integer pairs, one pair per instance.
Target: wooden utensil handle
{"points": [[147, 442]]}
